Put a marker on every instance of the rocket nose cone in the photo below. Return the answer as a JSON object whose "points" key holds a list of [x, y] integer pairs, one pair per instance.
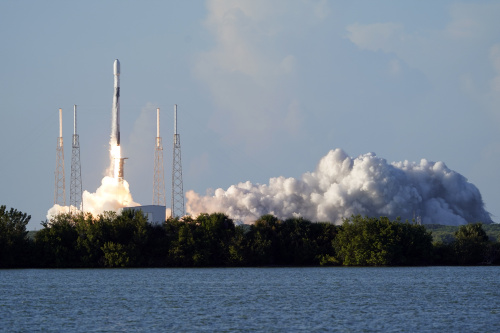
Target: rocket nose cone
{"points": [[116, 67]]}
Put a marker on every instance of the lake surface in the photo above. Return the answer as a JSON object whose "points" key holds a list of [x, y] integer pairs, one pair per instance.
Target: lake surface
{"points": [[421, 299]]}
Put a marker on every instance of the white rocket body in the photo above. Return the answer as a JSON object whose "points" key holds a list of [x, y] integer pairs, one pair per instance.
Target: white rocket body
{"points": [[115, 112]]}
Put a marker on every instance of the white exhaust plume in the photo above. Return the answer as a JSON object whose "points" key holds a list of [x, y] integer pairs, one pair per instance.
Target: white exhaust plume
{"points": [[342, 186], [112, 195]]}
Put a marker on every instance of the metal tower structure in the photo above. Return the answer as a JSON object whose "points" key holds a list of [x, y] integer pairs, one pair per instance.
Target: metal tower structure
{"points": [[75, 186], [159, 175], [60, 179], [177, 188]]}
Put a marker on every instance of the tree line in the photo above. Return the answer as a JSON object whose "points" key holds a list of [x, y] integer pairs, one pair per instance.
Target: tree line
{"points": [[214, 240]]}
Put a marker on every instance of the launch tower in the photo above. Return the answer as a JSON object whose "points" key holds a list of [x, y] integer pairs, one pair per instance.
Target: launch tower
{"points": [[75, 186], [159, 175], [60, 179], [177, 188]]}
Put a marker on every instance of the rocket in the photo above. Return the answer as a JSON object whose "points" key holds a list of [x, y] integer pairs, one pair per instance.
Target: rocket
{"points": [[115, 111]]}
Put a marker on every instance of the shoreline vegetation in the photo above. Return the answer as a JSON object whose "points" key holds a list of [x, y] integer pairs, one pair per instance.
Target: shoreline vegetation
{"points": [[214, 240]]}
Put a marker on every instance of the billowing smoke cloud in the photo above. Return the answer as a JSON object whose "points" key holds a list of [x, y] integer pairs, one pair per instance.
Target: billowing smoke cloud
{"points": [[342, 186], [112, 195]]}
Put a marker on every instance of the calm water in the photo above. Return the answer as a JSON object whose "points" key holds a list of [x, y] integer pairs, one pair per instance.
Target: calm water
{"points": [[432, 299]]}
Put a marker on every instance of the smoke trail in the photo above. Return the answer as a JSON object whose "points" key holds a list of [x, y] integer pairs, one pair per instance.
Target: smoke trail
{"points": [[342, 186]]}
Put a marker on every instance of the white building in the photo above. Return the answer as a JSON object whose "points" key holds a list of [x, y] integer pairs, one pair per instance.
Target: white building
{"points": [[155, 214]]}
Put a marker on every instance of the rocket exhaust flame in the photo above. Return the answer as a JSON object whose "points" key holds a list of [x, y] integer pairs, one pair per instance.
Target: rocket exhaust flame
{"points": [[115, 152]]}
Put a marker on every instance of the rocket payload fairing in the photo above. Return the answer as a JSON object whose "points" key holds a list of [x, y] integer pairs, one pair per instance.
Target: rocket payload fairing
{"points": [[115, 112]]}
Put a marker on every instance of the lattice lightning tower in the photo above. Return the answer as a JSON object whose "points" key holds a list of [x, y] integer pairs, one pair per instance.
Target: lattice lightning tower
{"points": [[159, 175], [177, 189], [75, 186], [60, 179]]}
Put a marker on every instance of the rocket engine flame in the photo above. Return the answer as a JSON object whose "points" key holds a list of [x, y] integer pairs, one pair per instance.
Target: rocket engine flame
{"points": [[115, 155], [342, 186]]}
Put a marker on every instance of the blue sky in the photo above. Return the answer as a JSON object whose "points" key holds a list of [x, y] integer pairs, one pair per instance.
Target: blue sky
{"points": [[264, 89]]}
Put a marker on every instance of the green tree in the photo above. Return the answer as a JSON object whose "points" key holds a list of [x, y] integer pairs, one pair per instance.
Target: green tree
{"points": [[363, 241], [213, 236], [14, 243], [492, 254], [470, 244], [413, 245], [93, 233], [155, 252], [444, 253], [262, 241], [56, 243], [182, 249], [324, 233], [378, 241], [237, 247], [297, 245], [115, 255], [129, 232]]}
